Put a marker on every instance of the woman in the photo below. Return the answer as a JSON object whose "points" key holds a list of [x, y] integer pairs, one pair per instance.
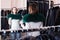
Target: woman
{"points": [[13, 21], [33, 20]]}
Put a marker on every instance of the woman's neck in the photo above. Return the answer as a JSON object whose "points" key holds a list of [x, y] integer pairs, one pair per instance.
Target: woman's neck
{"points": [[14, 13]]}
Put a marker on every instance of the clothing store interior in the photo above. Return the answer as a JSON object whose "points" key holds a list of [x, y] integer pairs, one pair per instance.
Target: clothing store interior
{"points": [[29, 20]]}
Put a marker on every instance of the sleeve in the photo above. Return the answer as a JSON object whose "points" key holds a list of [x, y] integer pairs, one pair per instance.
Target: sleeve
{"points": [[23, 21], [8, 16], [25, 18], [22, 24], [9, 21]]}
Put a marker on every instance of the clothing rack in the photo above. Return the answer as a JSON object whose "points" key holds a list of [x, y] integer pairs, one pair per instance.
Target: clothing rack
{"points": [[27, 30]]}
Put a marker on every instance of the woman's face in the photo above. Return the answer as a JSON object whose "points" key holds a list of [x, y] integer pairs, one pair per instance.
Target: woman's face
{"points": [[14, 10]]}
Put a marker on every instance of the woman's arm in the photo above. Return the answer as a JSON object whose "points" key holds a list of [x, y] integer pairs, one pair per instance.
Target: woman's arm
{"points": [[22, 24], [9, 21]]}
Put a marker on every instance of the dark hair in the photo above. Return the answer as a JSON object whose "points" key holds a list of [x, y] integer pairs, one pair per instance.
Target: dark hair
{"points": [[34, 6], [51, 1], [12, 9]]}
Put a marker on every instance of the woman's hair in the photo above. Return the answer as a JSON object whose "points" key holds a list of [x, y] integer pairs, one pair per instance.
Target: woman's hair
{"points": [[12, 9], [34, 6]]}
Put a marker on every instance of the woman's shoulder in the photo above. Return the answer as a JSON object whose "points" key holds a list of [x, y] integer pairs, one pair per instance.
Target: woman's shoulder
{"points": [[42, 17], [27, 15], [26, 18], [9, 15]]}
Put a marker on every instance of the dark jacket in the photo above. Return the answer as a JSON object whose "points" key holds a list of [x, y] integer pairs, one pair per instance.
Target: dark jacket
{"points": [[51, 15]]}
